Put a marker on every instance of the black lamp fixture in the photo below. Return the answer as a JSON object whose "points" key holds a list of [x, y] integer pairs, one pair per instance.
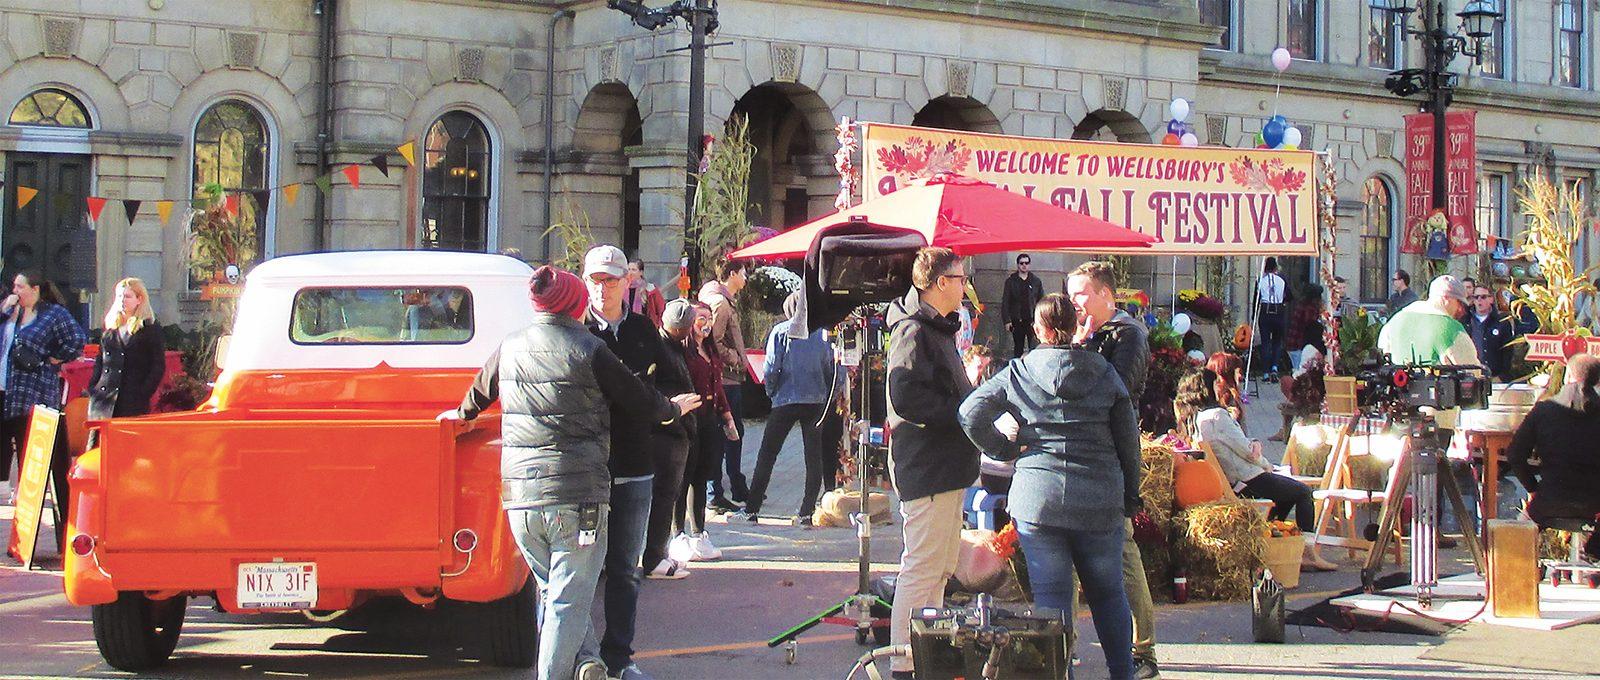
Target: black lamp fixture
{"points": [[1440, 47]]}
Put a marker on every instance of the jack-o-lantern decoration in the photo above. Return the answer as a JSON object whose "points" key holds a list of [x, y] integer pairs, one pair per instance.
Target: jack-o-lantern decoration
{"points": [[1241, 337]]}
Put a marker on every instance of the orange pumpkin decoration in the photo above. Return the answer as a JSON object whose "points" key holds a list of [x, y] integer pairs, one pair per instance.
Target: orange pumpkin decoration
{"points": [[1197, 482], [1241, 337]]}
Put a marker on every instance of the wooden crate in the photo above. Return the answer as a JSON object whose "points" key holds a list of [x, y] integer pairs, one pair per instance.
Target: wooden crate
{"points": [[1513, 569], [1341, 399]]}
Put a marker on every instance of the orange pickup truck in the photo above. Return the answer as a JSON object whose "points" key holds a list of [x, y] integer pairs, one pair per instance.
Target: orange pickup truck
{"points": [[316, 477]]}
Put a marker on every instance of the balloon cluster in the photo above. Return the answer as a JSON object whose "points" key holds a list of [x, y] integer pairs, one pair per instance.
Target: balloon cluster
{"points": [[1277, 133], [1179, 133]]}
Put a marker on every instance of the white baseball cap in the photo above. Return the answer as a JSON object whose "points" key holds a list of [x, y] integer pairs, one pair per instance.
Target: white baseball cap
{"points": [[605, 260]]}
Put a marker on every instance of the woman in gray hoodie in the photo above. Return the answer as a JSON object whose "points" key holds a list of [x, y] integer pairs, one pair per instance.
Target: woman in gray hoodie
{"points": [[1077, 453]]}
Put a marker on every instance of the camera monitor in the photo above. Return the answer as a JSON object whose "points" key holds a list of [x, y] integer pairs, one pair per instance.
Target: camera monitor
{"points": [[856, 264]]}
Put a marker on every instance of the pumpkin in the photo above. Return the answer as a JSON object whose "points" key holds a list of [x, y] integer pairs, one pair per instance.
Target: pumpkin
{"points": [[1241, 337], [1196, 482]]}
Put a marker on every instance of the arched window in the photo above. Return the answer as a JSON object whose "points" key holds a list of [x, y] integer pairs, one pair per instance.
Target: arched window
{"points": [[50, 107], [231, 154], [455, 184], [1376, 242]]}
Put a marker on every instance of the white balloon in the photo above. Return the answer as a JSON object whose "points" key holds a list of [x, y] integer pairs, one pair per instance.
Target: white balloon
{"points": [[1197, 356], [1188, 139], [1281, 59], [1179, 109], [1292, 137], [1180, 324]]}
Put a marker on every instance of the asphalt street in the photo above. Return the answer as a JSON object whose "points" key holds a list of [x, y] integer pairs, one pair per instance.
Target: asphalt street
{"points": [[711, 625]]}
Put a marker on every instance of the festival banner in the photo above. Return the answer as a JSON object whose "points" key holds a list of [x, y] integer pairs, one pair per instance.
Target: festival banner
{"points": [[1461, 160], [1192, 200], [37, 459]]}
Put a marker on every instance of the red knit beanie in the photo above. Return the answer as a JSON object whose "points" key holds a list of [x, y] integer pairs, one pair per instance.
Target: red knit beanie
{"points": [[558, 291]]}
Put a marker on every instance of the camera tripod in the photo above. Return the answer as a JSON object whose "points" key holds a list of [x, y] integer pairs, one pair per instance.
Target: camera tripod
{"points": [[859, 345], [1422, 468]]}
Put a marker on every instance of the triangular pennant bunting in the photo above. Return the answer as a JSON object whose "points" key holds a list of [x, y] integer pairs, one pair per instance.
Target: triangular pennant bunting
{"points": [[131, 209], [290, 193], [381, 162], [96, 204], [353, 174], [408, 151], [164, 210], [231, 204], [325, 183], [261, 198], [25, 196]]}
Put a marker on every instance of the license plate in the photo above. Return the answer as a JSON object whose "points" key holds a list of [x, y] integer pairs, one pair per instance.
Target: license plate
{"points": [[277, 585]]}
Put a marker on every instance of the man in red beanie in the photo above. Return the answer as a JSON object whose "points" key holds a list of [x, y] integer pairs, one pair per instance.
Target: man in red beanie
{"points": [[558, 386]]}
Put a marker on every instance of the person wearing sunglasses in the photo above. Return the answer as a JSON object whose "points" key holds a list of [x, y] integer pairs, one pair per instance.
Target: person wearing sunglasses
{"points": [[1022, 291], [1491, 331]]}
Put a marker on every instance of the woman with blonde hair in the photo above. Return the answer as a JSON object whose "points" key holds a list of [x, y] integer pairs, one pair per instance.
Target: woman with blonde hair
{"points": [[132, 358]]}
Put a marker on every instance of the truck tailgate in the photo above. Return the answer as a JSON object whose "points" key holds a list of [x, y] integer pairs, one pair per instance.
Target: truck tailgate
{"points": [[275, 485]]}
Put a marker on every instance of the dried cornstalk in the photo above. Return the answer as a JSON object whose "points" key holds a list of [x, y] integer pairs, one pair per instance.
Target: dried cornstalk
{"points": [[1555, 216]]}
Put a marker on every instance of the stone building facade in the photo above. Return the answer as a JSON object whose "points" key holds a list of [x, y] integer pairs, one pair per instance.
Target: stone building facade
{"points": [[176, 94]]}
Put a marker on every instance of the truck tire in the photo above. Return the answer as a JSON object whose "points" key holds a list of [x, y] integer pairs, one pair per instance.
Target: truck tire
{"points": [[514, 628], [136, 633]]}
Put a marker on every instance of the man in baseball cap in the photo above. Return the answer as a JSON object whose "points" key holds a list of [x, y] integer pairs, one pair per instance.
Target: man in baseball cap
{"points": [[1428, 332], [607, 260]]}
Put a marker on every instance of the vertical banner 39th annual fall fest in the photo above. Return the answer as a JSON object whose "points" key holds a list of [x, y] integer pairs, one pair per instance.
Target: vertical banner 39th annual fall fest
{"points": [[1192, 200]]}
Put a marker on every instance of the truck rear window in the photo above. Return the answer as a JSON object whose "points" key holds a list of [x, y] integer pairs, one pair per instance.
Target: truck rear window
{"points": [[381, 316]]}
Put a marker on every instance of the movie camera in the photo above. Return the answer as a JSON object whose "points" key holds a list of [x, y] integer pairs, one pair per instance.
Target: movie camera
{"points": [[1389, 387]]}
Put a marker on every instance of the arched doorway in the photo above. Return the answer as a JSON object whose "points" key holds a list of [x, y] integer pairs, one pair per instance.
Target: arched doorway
{"points": [[607, 124], [791, 129], [956, 113]]}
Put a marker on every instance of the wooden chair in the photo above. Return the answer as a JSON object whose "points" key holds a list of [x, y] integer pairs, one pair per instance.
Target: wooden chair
{"points": [[1261, 505], [1338, 500]]}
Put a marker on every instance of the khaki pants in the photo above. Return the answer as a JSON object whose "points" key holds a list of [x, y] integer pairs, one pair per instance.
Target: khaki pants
{"points": [[1139, 602], [932, 527]]}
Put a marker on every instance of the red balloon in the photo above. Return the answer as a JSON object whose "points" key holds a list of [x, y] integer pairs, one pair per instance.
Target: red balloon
{"points": [[1263, 146], [1171, 140]]}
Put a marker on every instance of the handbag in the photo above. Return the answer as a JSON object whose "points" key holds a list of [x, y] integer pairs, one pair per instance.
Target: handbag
{"points": [[24, 356]]}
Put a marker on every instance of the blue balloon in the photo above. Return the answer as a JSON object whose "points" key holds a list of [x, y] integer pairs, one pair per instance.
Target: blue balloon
{"points": [[1175, 127], [1272, 132]]}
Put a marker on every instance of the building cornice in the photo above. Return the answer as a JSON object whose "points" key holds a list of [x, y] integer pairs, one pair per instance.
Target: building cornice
{"points": [[1340, 80]]}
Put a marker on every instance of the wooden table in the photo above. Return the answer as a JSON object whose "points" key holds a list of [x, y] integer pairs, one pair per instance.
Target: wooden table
{"points": [[1490, 446]]}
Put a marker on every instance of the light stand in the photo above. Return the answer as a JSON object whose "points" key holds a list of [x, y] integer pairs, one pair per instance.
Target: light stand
{"points": [[1421, 467], [865, 327]]}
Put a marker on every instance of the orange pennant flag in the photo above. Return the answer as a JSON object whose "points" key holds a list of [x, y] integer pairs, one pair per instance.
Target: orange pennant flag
{"points": [[96, 204], [164, 209], [353, 173], [409, 151], [25, 196], [290, 193]]}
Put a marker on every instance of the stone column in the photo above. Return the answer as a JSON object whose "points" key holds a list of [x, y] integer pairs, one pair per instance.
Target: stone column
{"points": [[661, 177]]}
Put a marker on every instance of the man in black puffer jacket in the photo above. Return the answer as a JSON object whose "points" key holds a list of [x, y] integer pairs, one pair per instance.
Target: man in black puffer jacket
{"points": [[931, 461], [557, 385]]}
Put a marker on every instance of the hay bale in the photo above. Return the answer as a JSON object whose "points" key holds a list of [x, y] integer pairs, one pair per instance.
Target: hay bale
{"points": [[1155, 487], [1222, 546], [1366, 472]]}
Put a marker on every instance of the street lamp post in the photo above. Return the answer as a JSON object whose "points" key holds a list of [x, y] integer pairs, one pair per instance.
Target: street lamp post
{"points": [[1440, 47], [701, 17]]}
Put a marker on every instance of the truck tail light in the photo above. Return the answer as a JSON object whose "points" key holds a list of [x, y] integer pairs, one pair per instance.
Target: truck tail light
{"points": [[465, 540], [82, 545]]}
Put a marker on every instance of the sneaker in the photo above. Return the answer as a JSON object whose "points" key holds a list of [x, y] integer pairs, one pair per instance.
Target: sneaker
{"points": [[1145, 669], [720, 505], [681, 549], [590, 669], [804, 521], [746, 514], [632, 672], [704, 551], [668, 570]]}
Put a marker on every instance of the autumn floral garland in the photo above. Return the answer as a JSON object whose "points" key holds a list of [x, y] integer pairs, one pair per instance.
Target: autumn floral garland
{"points": [[844, 163], [1328, 222]]}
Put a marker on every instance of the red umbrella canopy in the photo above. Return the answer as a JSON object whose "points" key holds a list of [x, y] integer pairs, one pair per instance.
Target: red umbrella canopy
{"points": [[965, 215]]}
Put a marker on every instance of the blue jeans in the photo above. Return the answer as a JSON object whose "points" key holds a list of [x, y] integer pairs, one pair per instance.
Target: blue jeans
{"points": [[1054, 554], [630, 517], [732, 452], [1271, 325], [567, 574]]}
